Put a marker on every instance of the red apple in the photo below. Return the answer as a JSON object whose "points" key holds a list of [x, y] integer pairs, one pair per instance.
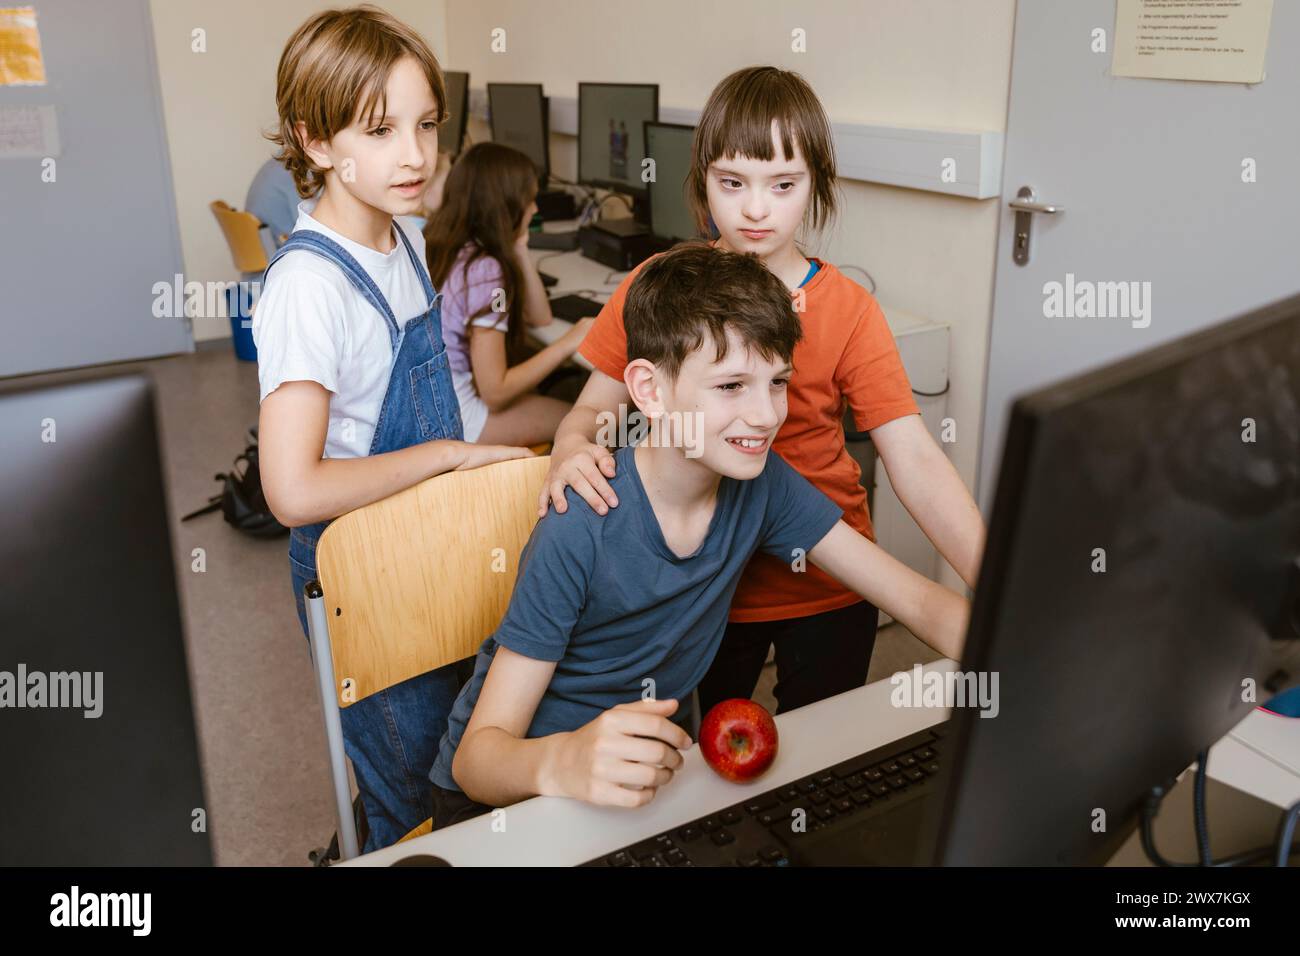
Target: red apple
{"points": [[738, 739]]}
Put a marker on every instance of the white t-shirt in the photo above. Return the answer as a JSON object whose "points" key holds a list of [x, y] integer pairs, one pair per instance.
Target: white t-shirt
{"points": [[311, 324]]}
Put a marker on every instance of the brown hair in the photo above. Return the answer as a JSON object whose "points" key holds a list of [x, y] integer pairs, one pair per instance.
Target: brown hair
{"points": [[483, 203], [335, 68], [737, 121], [696, 289]]}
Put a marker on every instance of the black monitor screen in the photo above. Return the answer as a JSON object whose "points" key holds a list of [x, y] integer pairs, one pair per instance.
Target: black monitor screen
{"points": [[611, 136]]}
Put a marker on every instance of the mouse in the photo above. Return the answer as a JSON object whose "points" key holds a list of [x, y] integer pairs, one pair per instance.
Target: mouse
{"points": [[421, 859]]}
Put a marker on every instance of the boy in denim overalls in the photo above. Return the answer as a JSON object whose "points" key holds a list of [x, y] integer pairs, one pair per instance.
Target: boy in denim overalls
{"points": [[357, 397]]}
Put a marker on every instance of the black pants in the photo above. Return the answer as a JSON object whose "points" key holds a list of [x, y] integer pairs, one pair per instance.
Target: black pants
{"points": [[452, 806], [816, 657]]}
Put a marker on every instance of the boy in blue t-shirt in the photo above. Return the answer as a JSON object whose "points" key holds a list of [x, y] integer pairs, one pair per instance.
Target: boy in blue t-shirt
{"points": [[614, 619]]}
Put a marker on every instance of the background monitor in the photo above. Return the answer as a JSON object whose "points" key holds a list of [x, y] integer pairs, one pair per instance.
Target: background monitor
{"points": [[669, 145], [518, 118], [611, 133], [1141, 553], [90, 607], [452, 136]]}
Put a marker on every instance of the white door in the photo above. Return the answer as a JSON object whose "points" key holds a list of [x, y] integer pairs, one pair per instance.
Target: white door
{"points": [[1150, 177]]}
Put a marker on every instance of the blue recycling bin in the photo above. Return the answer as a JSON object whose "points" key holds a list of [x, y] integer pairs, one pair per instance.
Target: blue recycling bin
{"points": [[241, 322]]}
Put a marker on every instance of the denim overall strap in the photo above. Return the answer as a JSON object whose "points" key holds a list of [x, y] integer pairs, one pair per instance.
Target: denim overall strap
{"points": [[309, 240], [392, 736]]}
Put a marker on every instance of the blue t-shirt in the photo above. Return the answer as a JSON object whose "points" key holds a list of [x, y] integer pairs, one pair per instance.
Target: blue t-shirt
{"points": [[607, 600]]}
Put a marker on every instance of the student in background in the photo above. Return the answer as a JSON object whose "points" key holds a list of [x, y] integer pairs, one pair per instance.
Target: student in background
{"points": [[478, 256], [349, 345], [763, 166], [273, 198]]}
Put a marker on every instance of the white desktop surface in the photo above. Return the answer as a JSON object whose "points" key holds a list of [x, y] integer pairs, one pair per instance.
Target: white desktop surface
{"points": [[1261, 757], [555, 831]]}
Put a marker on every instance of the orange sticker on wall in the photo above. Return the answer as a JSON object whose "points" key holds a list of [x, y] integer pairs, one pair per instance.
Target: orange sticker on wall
{"points": [[20, 48]]}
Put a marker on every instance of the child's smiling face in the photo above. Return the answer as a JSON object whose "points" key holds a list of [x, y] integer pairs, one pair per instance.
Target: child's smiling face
{"points": [[758, 205], [386, 161], [735, 406]]}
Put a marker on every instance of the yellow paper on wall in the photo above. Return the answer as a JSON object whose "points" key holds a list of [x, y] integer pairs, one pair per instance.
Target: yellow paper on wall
{"points": [[20, 48]]}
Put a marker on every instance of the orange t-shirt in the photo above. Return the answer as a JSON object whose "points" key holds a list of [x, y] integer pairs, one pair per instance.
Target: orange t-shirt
{"points": [[847, 353]]}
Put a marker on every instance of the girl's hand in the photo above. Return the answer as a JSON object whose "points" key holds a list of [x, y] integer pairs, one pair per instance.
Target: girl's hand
{"points": [[572, 339], [476, 456]]}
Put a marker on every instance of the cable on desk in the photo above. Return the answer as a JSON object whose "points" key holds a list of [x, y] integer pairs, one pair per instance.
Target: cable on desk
{"points": [[946, 386], [1281, 852]]}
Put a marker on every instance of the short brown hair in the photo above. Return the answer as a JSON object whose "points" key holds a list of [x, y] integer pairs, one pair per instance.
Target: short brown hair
{"points": [[694, 290], [335, 68], [737, 121]]}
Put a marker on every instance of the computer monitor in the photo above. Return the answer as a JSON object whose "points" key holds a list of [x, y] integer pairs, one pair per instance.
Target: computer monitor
{"points": [[669, 145], [611, 133], [518, 117], [97, 734], [1141, 552], [452, 136]]}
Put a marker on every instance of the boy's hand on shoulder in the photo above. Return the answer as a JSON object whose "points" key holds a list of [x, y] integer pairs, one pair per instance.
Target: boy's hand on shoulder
{"points": [[629, 746], [586, 470], [476, 456]]}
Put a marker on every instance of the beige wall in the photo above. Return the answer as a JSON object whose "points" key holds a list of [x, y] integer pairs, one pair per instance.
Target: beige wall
{"points": [[935, 63], [217, 103]]}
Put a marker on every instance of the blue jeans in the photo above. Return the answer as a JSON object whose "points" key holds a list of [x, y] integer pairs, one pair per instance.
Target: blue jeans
{"points": [[392, 738]]}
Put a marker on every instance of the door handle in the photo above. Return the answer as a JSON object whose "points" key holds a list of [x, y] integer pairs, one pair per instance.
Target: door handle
{"points": [[1026, 204]]}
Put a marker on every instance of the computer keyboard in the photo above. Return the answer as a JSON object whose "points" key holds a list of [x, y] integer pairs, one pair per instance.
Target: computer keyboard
{"points": [[765, 829], [574, 307]]}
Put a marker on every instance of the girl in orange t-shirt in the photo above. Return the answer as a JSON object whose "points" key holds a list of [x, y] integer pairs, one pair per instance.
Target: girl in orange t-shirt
{"points": [[762, 168]]}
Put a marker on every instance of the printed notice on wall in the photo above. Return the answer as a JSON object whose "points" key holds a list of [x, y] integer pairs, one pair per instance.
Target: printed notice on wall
{"points": [[28, 132], [20, 48], [1222, 41]]}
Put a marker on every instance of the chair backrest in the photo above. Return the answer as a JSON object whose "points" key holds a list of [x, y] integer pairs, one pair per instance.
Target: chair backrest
{"points": [[418, 580], [240, 230]]}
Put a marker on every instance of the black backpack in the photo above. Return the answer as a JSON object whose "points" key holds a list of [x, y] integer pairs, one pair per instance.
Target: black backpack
{"points": [[241, 500]]}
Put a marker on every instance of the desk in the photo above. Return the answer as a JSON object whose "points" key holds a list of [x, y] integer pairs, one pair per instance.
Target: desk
{"points": [[555, 831], [1261, 757]]}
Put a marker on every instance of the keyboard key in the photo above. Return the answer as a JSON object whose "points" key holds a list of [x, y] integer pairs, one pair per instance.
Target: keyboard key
{"points": [[824, 779], [932, 767], [675, 857], [749, 861], [861, 797], [620, 859], [820, 797], [654, 861], [788, 794], [759, 804], [644, 850], [689, 833], [889, 767], [806, 786], [723, 837], [710, 824], [856, 782], [730, 817], [771, 853], [873, 775], [838, 790], [924, 754], [844, 805], [907, 760], [913, 774], [825, 812], [771, 817], [896, 782], [878, 789]]}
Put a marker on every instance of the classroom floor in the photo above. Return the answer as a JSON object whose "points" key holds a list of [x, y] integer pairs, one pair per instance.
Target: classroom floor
{"points": [[263, 746]]}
